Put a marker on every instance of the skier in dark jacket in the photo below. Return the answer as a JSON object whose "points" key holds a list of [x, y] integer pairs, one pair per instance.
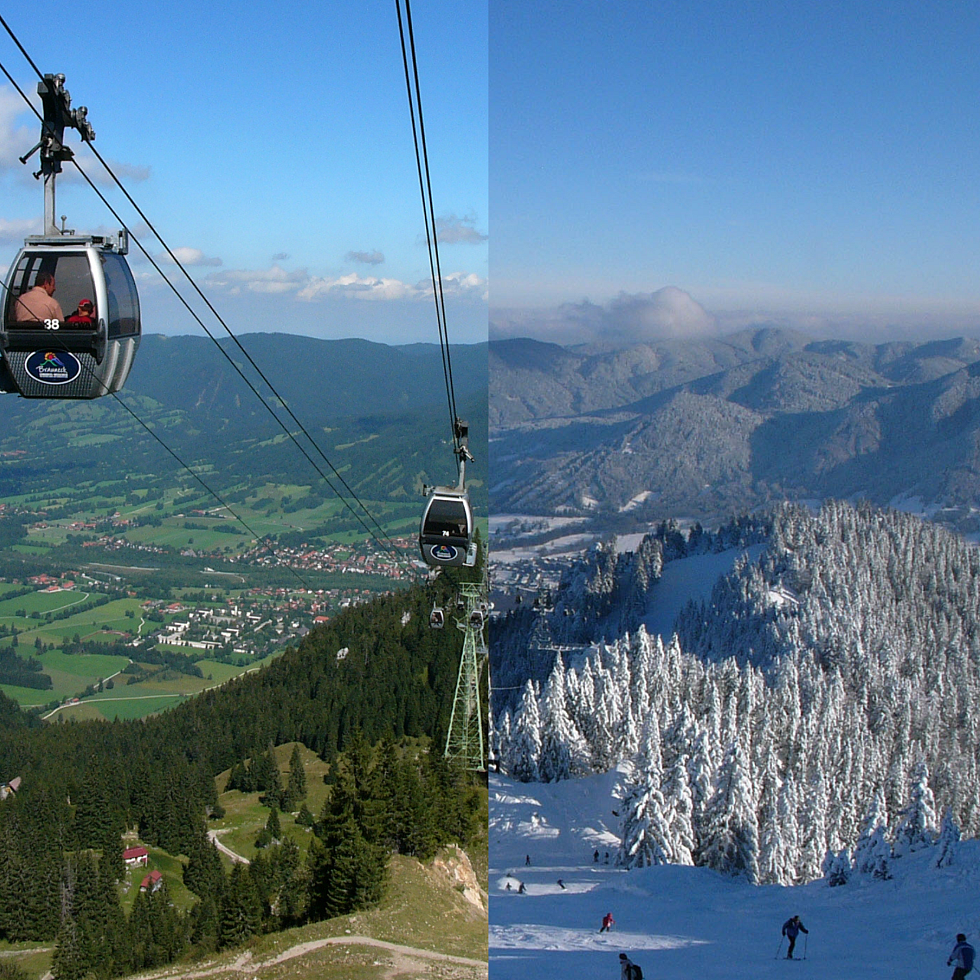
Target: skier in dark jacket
{"points": [[791, 929], [627, 968], [963, 956]]}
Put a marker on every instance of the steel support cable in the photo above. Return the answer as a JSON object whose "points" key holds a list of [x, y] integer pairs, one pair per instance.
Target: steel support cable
{"points": [[432, 214], [431, 237], [282, 401], [425, 217], [237, 369], [54, 345], [389, 547], [224, 353]]}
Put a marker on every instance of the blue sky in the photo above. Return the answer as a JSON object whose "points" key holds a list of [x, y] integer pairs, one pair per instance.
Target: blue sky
{"points": [[271, 144], [815, 164]]}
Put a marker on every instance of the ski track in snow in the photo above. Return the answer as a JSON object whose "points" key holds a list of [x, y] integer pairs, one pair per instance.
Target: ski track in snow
{"points": [[680, 923]]}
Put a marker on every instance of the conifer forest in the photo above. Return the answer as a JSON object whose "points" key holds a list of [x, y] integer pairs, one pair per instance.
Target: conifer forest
{"points": [[816, 714], [370, 714]]}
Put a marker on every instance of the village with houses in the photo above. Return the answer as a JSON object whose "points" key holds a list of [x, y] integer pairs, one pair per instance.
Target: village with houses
{"points": [[171, 621]]}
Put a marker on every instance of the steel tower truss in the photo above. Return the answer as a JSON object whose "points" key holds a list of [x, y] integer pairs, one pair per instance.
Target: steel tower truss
{"points": [[464, 743]]}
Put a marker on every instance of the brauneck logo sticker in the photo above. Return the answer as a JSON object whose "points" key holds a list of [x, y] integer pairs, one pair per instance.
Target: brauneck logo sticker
{"points": [[52, 369], [443, 552]]}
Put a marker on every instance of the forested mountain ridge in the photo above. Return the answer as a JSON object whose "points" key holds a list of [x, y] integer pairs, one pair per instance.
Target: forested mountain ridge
{"points": [[374, 674], [378, 413], [824, 699], [703, 427]]}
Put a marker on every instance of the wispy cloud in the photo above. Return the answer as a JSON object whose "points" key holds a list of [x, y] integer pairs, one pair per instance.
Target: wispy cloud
{"points": [[454, 230], [272, 280], [301, 286], [19, 131], [15, 138], [353, 286], [367, 258], [16, 229], [455, 284]]}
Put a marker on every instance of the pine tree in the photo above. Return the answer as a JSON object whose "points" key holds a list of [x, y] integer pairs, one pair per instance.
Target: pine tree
{"points": [[204, 925], [240, 914], [879, 855], [272, 825], [679, 813], [876, 817], [204, 874], [645, 834], [837, 867], [563, 750], [296, 786], [949, 838]]}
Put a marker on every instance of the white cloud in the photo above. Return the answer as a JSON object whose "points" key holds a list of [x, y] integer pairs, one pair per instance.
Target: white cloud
{"points": [[189, 256], [464, 285], [353, 286], [629, 318], [16, 139]]}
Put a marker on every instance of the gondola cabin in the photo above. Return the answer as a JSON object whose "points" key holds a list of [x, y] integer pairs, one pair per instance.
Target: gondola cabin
{"points": [[89, 351], [446, 529]]}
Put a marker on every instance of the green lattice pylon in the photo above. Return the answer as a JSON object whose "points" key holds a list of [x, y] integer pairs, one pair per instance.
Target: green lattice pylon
{"points": [[464, 743]]}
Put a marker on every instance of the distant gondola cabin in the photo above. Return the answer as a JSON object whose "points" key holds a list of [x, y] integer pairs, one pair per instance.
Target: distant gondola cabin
{"points": [[446, 529]]}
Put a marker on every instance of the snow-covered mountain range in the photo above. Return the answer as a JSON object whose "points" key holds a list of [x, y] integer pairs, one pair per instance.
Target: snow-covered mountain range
{"points": [[707, 426]]}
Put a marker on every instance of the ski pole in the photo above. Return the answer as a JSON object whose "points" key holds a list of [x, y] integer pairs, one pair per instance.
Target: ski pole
{"points": [[806, 939], [779, 949]]}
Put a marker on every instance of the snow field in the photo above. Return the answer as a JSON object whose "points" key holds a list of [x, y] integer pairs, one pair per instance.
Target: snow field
{"points": [[682, 922], [690, 578]]}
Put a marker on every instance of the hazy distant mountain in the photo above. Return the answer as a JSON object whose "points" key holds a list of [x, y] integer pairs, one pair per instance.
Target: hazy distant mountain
{"points": [[705, 426]]}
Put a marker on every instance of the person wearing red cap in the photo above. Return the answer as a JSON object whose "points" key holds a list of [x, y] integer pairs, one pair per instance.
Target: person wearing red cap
{"points": [[84, 317]]}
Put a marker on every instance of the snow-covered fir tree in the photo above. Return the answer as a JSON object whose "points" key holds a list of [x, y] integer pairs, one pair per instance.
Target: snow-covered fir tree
{"points": [[949, 838], [916, 826]]}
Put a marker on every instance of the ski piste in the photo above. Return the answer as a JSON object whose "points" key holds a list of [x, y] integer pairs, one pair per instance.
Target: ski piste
{"points": [[678, 922]]}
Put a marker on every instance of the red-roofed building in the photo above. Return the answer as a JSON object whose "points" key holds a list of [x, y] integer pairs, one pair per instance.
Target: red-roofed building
{"points": [[151, 882], [134, 856]]}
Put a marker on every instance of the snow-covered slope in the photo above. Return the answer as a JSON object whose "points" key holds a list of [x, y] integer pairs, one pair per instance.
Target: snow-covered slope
{"points": [[684, 922], [688, 579]]}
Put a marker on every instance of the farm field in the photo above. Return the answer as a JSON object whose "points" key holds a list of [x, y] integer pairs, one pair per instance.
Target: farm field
{"points": [[167, 690], [70, 675]]}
